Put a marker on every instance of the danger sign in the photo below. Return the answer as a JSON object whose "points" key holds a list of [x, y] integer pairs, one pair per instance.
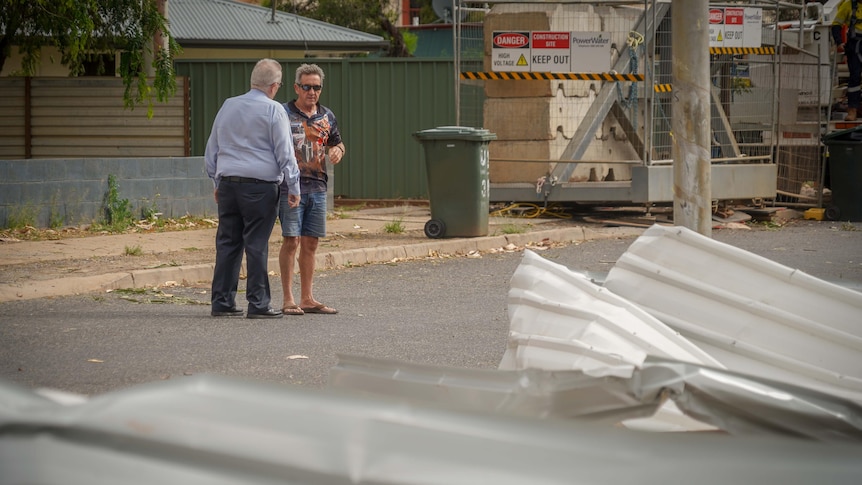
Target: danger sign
{"points": [[511, 40], [510, 51]]}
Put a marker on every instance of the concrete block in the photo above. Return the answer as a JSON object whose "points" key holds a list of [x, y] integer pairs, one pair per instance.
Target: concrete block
{"points": [[74, 169], [530, 171], [536, 118], [603, 148], [134, 168], [513, 172], [160, 168], [11, 193]]}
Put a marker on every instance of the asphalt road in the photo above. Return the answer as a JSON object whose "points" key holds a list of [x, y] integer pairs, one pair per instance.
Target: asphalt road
{"points": [[439, 311]]}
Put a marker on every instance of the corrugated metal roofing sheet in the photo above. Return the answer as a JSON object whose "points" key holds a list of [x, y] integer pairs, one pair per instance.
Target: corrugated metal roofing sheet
{"points": [[212, 430], [737, 403], [752, 314], [740, 311], [230, 23]]}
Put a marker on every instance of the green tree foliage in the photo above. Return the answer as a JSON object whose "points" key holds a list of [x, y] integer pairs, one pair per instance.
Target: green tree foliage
{"points": [[371, 16], [83, 30]]}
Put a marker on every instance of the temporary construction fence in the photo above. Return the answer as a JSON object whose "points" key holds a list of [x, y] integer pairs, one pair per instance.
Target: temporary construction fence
{"points": [[800, 125], [806, 74], [580, 93]]}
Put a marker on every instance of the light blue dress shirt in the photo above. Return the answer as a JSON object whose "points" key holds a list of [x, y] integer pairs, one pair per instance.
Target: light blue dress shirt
{"points": [[251, 138]]}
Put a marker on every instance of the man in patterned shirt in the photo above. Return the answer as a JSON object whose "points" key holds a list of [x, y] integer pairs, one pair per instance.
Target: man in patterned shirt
{"points": [[315, 138]]}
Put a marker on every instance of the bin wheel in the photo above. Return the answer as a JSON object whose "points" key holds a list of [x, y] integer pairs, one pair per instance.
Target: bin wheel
{"points": [[832, 213], [434, 229]]}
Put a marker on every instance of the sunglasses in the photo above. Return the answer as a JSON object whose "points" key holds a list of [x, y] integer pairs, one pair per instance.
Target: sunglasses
{"points": [[306, 87]]}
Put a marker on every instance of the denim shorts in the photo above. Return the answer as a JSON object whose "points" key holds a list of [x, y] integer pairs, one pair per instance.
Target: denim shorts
{"points": [[309, 219]]}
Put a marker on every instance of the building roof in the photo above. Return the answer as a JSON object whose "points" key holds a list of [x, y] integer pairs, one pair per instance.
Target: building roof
{"points": [[227, 23]]}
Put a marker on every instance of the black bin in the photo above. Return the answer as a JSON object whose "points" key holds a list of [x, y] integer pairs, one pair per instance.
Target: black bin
{"points": [[845, 174]]}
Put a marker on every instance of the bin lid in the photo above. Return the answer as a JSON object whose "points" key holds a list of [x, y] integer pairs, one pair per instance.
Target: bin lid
{"points": [[456, 133], [852, 134]]}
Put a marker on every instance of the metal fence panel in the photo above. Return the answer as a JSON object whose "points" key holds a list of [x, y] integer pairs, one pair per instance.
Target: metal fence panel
{"points": [[582, 130]]}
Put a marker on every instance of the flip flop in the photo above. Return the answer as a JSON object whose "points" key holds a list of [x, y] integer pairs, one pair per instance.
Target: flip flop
{"points": [[292, 310], [321, 308]]}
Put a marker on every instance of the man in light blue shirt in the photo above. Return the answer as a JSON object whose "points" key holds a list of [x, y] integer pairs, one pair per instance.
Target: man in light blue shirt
{"points": [[248, 154]]}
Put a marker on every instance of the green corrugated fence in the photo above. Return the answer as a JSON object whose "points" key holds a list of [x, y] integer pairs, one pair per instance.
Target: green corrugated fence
{"points": [[379, 104]]}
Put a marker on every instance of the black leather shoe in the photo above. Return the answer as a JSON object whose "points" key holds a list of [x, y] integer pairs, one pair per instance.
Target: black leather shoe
{"points": [[269, 313], [232, 312]]}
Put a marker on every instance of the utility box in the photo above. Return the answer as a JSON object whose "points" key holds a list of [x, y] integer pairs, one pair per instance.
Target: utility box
{"points": [[456, 158]]}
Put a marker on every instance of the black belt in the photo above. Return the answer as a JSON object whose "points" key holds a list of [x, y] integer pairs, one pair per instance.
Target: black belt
{"points": [[245, 180]]}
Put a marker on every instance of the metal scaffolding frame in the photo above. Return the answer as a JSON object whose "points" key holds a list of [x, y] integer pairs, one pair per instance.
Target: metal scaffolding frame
{"points": [[736, 174]]}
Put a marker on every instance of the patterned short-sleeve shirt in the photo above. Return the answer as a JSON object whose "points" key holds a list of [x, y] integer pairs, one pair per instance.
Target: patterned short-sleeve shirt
{"points": [[311, 137]]}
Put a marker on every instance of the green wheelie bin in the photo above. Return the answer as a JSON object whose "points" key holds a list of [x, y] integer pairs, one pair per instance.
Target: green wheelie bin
{"points": [[456, 159]]}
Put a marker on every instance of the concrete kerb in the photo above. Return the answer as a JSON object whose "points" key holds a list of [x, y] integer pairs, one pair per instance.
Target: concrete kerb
{"points": [[355, 257], [66, 286], [161, 276], [460, 247]]}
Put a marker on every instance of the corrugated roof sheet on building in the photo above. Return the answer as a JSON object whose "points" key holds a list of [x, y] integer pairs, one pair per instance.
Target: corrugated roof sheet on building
{"points": [[233, 24]]}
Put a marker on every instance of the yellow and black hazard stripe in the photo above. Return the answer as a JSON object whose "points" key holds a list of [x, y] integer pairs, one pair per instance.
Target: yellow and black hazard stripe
{"points": [[540, 76], [663, 88], [742, 50]]}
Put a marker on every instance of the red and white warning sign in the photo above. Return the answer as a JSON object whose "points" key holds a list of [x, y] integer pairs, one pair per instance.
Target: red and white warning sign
{"points": [[735, 27], [551, 52], [544, 51], [510, 51]]}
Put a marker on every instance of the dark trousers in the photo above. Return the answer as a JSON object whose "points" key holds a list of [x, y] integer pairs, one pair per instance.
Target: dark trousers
{"points": [[246, 214], [853, 51]]}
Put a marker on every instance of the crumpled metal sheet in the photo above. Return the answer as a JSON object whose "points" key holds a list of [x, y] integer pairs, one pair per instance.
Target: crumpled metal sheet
{"points": [[751, 314], [533, 393], [698, 294], [219, 430], [747, 404], [559, 319], [736, 403]]}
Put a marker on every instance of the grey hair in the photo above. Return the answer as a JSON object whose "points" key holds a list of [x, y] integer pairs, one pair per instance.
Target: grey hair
{"points": [[265, 73], [306, 69]]}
